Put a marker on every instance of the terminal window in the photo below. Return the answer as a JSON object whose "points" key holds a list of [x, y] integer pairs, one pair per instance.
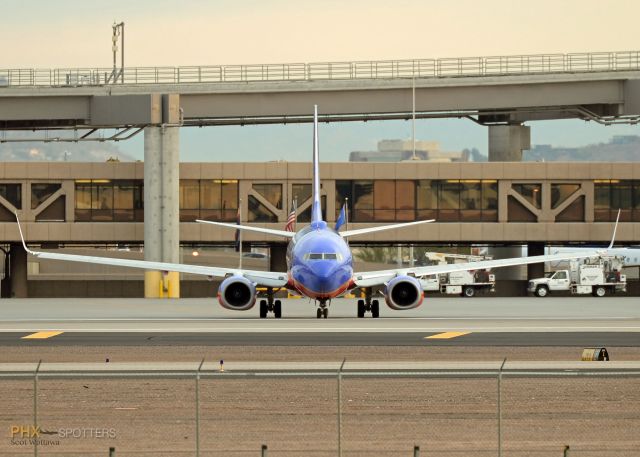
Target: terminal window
{"points": [[109, 200], [12, 193], [613, 194], [399, 200], [208, 199]]}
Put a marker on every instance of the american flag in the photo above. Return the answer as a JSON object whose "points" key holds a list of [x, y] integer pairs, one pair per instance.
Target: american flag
{"points": [[291, 220]]}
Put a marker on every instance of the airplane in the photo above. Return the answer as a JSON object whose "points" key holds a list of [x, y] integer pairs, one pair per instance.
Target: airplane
{"points": [[319, 265]]}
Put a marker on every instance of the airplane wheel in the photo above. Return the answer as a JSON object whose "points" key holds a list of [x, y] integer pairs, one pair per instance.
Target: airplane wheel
{"points": [[360, 308], [277, 309], [263, 309], [325, 313], [375, 308], [319, 313]]}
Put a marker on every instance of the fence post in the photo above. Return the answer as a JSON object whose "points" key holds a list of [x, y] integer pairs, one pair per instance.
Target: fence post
{"points": [[198, 409], [35, 406], [500, 408], [416, 451], [566, 451], [340, 408], [112, 452], [263, 452]]}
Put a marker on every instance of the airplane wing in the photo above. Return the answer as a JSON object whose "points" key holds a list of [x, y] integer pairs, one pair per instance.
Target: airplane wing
{"points": [[264, 278], [249, 228], [374, 278]]}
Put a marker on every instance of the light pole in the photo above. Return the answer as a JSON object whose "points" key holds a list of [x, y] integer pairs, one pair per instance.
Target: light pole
{"points": [[118, 31]]}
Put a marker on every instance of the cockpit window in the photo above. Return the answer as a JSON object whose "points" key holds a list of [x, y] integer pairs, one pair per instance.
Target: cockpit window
{"points": [[323, 256]]}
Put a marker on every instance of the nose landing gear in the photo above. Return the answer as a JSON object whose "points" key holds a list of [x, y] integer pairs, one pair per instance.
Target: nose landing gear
{"points": [[270, 305], [323, 310]]}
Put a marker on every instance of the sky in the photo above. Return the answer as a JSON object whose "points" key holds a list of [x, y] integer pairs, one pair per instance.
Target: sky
{"points": [[73, 33]]}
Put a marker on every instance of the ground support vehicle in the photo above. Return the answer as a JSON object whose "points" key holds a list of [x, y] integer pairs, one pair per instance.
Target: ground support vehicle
{"points": [[596, 276]]}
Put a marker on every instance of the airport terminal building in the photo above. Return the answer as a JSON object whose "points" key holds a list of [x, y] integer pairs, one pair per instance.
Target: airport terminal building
{"points": [[77, 206]]}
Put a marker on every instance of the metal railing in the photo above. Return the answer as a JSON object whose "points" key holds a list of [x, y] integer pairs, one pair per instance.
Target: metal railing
{"points": [[319, 71], [323, 409]]}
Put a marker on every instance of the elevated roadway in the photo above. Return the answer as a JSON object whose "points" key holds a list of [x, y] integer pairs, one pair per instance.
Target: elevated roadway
{"points": [[604, 87]]}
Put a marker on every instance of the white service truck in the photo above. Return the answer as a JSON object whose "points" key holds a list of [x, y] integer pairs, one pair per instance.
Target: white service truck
{"points": [[465, 283], [594, 276]]}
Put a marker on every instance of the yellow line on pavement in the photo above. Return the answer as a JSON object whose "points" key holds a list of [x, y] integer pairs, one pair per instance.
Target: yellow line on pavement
{"points": [[40, 335], [446, 335]]}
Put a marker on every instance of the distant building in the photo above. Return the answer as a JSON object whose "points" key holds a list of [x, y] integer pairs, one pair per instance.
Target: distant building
{"points": [[400, 150], [620, 148]]}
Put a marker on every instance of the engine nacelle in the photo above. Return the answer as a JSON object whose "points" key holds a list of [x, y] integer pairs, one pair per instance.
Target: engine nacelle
{"points": [[403, 292], [237, 293]]}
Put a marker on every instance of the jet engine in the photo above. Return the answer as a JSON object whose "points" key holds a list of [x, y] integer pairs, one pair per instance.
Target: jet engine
{"points": [[403, 292], [237, 293]]}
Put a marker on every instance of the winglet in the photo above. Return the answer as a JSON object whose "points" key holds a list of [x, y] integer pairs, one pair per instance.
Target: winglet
{"points": [[22, 236], [615, 228]]}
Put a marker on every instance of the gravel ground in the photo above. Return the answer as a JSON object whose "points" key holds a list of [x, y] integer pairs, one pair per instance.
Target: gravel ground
{"points": [[381, 417]]}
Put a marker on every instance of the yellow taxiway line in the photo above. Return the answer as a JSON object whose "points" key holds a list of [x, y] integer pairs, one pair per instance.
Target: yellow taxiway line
{"points": [[446, 335], [40, 335]]}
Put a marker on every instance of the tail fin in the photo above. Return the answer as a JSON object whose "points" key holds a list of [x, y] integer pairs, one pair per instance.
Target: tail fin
{"points": [[316, 210]]}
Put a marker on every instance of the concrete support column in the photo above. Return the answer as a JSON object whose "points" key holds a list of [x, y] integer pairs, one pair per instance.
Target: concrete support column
{"points": [[278, 257], [18, 271], [535, 270], [170, 195], [506, 142], [162, 200]]}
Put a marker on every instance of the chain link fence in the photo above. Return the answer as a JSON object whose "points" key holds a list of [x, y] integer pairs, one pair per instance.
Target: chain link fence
{"points": [[350, 409]]}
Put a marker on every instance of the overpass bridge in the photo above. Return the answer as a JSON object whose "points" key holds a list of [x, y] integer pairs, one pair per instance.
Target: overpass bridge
{"points": [[602, 87]]}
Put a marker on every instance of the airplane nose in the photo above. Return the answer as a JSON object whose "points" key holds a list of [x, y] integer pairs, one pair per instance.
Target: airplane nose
{"points": [[323, 270]]}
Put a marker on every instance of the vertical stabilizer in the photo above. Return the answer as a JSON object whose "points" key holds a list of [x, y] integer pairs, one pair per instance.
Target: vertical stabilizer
{"points": [[316, 211]]}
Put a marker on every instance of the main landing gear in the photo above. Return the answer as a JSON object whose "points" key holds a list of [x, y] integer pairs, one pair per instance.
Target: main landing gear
{"points": [[368, 305], [323, 310], [270, 306]]}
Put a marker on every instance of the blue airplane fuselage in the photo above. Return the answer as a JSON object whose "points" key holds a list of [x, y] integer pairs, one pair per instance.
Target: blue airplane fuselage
{"points": [[319, 262]]}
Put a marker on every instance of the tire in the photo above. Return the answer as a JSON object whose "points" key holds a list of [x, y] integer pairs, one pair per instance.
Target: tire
{"points": [[599, 291], [325, 313], [469, 291], [542, 291], [277, 309], [375, 308], [263, 309], [319, 314], [360, 308]]}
